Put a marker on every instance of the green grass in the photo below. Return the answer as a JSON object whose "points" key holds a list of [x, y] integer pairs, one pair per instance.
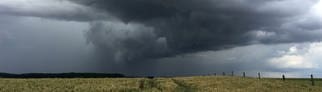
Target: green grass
{"points": [[180, 84]]}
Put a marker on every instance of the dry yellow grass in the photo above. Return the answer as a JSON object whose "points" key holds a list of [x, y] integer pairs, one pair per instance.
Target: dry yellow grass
{"points": [[237, 84], [180, 84]]}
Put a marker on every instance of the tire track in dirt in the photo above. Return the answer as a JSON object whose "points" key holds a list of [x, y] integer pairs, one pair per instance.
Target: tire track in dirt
{"points": [[183, 87]]}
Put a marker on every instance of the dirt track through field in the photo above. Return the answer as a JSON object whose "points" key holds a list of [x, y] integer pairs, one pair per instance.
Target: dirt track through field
{"points": [[182, 86]]}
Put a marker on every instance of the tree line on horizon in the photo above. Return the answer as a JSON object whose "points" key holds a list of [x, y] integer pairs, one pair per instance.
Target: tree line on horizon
{"points": [[62, 75]]}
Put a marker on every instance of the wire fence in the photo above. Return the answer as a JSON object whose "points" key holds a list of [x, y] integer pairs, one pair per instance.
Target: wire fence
{"points": [[267, 74], [283, 76]]}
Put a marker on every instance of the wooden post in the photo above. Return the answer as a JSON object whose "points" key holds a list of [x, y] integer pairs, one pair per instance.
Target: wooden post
{"points": [[232, 73], [215, 74], [283, 77], [259, 75], [312, 80], [244, 74], [223, 73]]}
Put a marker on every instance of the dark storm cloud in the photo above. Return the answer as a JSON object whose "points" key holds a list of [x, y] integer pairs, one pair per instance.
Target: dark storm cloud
{"points": [[157, 36], [188, 26], [147, 29]]}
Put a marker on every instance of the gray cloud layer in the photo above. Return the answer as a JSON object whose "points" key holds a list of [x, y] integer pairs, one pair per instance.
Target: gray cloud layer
{"points": [[53, 9]]}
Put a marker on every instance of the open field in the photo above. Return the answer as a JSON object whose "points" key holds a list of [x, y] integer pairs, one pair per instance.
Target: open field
{"points": [[180, 84]]}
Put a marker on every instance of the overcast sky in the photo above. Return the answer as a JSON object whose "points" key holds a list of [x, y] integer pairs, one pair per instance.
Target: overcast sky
{"points": [[162, 37]]}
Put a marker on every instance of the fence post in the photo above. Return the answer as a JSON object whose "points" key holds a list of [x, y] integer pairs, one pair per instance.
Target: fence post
{"points": [[244, 74], [232, 73], [312, 80], [259, 75], [283, 77], [215, 74], [223, 73]]}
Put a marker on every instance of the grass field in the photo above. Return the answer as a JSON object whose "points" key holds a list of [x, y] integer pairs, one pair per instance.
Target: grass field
{"points": [[180, 84]]}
